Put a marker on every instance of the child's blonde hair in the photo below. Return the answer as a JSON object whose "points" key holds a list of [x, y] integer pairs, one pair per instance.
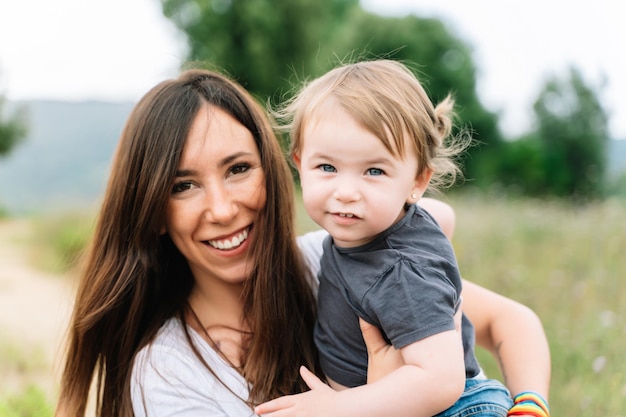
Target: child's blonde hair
{"points": [[386, 98]]}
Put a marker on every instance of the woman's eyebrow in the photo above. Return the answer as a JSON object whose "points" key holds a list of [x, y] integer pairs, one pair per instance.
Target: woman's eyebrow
{"points": [[230, 158], [184, 173], [223, 162]]}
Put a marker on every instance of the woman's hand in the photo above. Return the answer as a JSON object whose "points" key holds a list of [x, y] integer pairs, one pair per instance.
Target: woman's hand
{"points": [[383, 358]]}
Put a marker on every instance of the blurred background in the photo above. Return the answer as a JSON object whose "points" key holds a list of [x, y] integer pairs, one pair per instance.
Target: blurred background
{"points": [[541, 213]]}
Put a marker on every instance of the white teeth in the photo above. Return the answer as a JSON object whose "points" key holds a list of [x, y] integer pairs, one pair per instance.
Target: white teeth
{"points": [[346, 215], [230, 243]]}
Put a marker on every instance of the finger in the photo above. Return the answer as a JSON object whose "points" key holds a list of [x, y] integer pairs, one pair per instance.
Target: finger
{"points": [[311, 379], [274, 405], [372, 336]]}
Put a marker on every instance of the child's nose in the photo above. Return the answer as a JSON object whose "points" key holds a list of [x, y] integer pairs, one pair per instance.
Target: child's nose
{"points": [[346, 191]]}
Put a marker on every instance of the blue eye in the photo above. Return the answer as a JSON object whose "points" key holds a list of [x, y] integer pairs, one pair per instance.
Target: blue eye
{"points": [[327, 168], [375, 171]]}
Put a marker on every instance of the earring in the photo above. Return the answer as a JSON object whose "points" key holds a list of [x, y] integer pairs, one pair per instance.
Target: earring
{"points": [[413, 195]]}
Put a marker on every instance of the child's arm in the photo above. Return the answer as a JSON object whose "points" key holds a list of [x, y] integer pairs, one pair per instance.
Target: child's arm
{"points": [[431, 380]]}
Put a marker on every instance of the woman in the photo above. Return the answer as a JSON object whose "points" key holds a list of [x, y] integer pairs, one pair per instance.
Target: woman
{"points": [[195, 297]]}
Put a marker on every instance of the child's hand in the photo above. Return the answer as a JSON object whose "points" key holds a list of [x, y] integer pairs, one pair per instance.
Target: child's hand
{"points": [[316, 402]]}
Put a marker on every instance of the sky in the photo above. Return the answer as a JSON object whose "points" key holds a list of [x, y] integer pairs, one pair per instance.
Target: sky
{"points": [[115, 50]]}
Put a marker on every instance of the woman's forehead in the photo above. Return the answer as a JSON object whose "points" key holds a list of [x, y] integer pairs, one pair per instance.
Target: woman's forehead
{"points": [[214, 135]]}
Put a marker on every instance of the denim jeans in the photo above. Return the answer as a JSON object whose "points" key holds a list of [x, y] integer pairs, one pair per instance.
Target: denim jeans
{"points": [[481, 397]]}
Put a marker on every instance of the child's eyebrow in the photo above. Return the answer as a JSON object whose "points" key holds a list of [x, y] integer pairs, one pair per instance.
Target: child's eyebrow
{"points": [[379, 161]]}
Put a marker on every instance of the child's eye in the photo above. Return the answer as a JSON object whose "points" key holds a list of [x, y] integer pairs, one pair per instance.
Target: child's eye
{"points": [[181, 186], [375, 171], [327, 168]]}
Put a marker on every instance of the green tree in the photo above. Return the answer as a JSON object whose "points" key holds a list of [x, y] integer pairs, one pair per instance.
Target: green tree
{"points": [[572, 126], [520, 166], [12, 127], [262, 43]]}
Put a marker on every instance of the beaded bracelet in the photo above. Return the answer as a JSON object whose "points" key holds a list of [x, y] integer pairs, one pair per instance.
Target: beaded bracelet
{"points": [[529, 403]]}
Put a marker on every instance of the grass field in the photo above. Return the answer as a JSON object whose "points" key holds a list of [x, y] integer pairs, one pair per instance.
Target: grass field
{"points": [[568, 263]]}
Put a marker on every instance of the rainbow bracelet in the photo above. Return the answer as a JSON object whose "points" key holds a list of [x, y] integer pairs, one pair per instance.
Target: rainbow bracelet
{"points": [[529, 403]]}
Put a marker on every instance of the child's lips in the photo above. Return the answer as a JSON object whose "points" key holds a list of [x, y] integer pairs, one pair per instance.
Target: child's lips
{"points": [[345, 218]]}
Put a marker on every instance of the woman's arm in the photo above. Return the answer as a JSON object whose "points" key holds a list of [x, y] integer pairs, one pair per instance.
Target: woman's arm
{"points": [[442, 212], [511, 331], [514, 335]]}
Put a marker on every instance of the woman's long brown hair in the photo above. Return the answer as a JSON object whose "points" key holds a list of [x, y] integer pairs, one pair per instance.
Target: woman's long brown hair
{"points": [[134, 278]]}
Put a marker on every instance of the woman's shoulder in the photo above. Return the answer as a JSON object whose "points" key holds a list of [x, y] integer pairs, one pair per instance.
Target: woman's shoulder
{"points": [[311, 246]]}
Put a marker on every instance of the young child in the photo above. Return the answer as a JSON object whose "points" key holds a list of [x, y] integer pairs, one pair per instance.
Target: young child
{"points": [[368, 142]]}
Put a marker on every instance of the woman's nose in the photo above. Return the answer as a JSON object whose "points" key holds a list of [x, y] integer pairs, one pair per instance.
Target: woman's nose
{"points": [[220, 207]]}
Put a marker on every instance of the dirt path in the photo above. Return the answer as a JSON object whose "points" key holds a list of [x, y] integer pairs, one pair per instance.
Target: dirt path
{"points": [[34, 309]]}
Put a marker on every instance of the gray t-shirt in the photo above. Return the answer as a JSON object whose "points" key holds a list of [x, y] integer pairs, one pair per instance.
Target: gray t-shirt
{"points": [[406, 282]]}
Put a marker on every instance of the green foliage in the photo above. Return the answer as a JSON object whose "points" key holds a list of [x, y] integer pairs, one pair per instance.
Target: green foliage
{"points": [[61, 240], [30, 403], [573, 128], [262, 43], [566, 155], [566, 262], [12, 128], [519, 167], [21, 365]]}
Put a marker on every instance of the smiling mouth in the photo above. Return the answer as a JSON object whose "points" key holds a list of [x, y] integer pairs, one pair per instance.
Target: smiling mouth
{"points": [[346, 215], [235, 241]]}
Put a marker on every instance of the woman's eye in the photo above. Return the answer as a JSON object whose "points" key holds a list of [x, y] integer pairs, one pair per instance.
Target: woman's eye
{"points": [[327, 168], [179, 187], [375, 171], [239, 169]]}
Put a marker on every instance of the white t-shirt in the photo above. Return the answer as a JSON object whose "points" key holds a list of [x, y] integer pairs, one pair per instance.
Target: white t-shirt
{"points": [[168, 379]]}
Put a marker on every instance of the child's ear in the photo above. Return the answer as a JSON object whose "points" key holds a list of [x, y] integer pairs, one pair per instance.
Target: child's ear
{"points": [[420, 185], [296, 160]]}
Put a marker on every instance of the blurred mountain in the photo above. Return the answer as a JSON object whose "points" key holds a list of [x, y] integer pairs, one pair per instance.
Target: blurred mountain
{"points": [[64, 162]]}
